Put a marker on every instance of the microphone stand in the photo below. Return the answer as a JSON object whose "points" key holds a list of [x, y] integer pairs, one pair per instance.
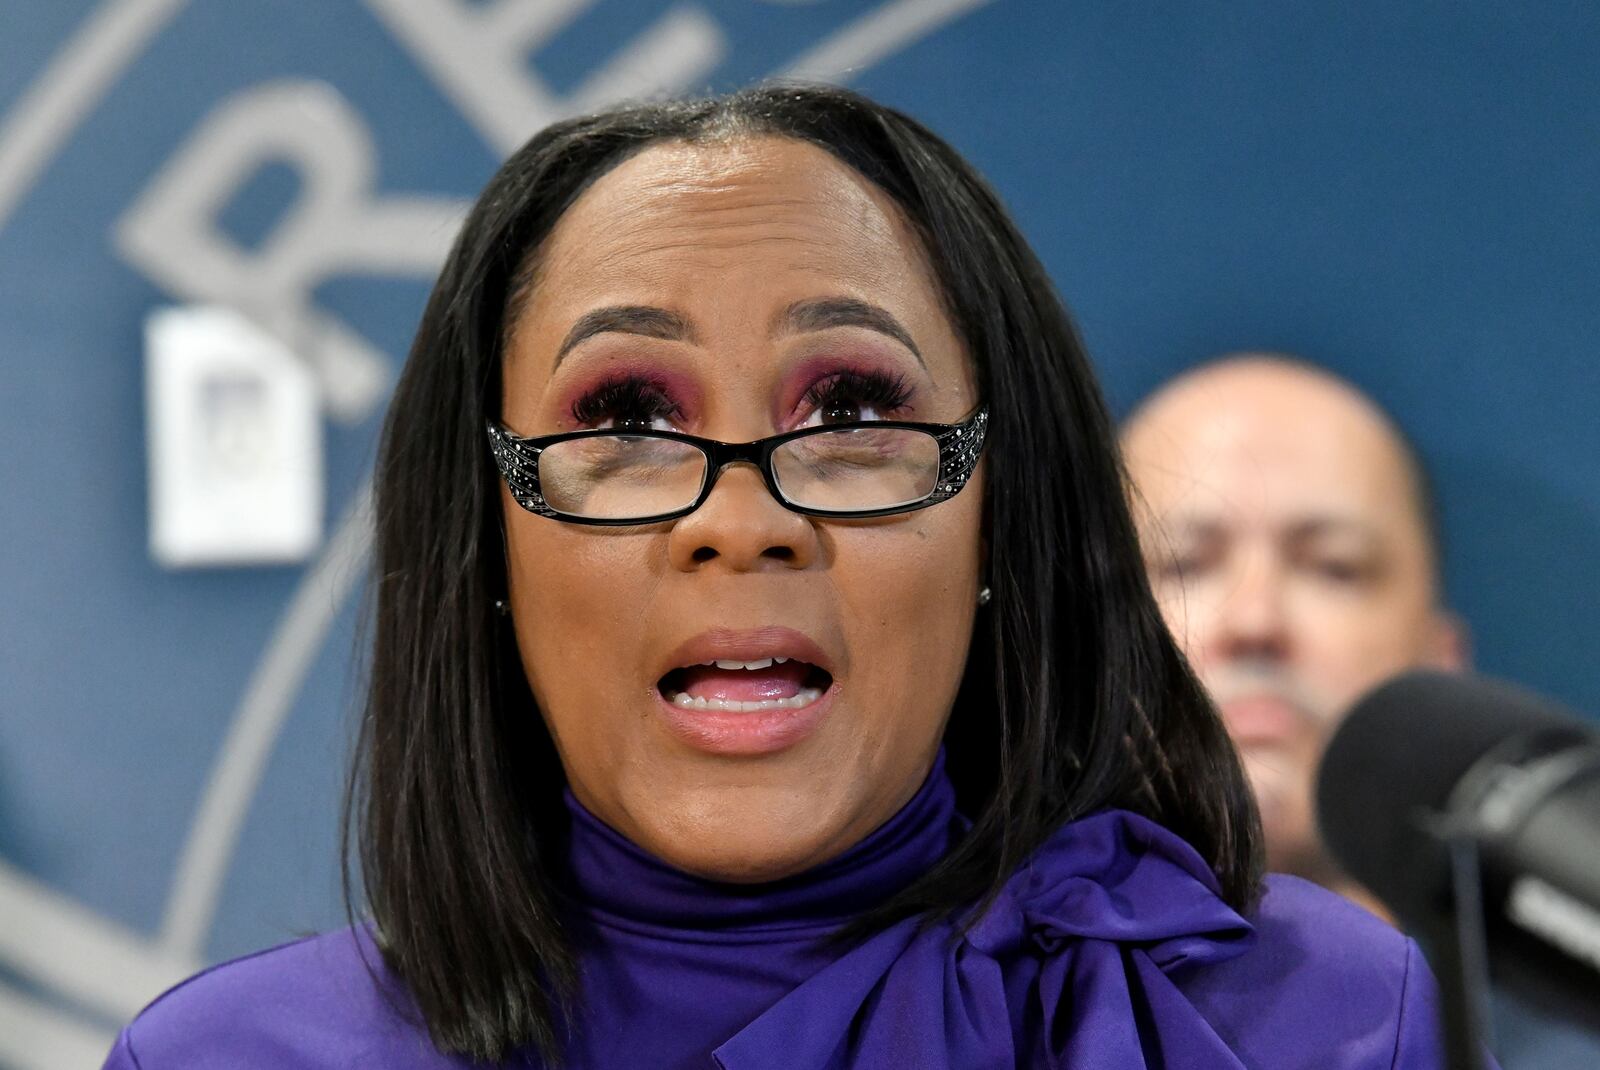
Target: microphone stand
{"points": [[1456, 941]]}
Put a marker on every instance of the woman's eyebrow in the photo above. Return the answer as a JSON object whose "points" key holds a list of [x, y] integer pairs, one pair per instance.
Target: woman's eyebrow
{"points": [[820, 313], [647, 320]]}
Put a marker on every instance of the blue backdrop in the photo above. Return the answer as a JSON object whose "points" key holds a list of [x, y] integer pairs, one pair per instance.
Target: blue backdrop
{"points": [[1406, 193]]}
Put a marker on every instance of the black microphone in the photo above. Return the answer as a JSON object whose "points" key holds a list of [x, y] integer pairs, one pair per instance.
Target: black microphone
{"points": [[1431, 762]]}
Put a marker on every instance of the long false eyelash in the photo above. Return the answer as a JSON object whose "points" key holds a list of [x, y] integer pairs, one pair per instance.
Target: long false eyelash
{"points": [[624, 399], [884, 391]]}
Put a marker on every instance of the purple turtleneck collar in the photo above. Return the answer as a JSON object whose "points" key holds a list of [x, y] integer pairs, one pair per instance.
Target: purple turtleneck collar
{"points": [[675, 965]]}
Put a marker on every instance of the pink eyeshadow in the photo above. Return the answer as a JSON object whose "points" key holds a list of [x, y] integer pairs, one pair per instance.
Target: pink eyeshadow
{"points": [[679, 387], [812, 370]]}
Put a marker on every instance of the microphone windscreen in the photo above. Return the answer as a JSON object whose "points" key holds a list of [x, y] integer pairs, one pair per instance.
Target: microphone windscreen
{"points": [[1399, 754]]}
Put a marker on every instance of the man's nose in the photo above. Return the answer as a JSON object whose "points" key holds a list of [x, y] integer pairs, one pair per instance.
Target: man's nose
{"points": [[1252, 622]]}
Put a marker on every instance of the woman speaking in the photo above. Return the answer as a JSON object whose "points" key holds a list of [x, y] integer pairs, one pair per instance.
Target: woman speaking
{"points": [[764, 676]]}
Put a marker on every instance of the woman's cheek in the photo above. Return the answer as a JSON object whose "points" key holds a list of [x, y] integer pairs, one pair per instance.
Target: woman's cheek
{"points": [[596, 585], [910, 608]]}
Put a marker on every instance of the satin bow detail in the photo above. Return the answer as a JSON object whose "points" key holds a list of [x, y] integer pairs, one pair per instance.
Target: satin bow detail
{"points": [[1069, 968]]}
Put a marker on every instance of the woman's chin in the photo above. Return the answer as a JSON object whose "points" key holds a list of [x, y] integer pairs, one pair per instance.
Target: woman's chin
{"points": [[735, 870], [749, 852]]}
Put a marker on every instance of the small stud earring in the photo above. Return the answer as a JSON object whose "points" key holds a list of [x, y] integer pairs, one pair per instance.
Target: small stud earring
{"points": [[984, 595], [501, 607]]}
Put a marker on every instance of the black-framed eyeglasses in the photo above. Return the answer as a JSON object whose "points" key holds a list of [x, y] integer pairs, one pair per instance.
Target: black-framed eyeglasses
{"points": [[611, 477]]}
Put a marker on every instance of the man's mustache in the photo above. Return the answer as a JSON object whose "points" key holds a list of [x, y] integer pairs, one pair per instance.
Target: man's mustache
{"points": [[1255, 679]]}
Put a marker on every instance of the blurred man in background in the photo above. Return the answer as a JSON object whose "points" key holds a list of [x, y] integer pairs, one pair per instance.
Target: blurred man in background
{"points": [[1290, 538]]}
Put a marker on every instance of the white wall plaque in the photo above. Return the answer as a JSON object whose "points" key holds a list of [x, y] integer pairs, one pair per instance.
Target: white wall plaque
{"points": [[235, 442]]}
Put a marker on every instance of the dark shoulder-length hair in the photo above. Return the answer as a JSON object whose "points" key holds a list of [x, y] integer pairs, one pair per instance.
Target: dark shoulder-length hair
{"points": [[1075, 697]]}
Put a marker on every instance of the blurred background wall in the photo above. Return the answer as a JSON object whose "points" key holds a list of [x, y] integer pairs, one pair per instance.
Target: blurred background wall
{"points": [[1404, 192]]}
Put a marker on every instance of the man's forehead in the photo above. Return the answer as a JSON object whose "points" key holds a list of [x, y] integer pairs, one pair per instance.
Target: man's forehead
{"points": [[1261, 441]]}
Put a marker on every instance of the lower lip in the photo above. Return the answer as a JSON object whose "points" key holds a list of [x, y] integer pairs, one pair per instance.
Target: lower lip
{"points": [[734, 733]]}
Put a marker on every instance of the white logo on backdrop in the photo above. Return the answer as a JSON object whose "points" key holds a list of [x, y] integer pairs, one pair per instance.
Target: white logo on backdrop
{"points": [[478, 54]]}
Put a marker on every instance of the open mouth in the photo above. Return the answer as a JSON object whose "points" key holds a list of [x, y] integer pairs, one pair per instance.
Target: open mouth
{"points": [[774, 683]]}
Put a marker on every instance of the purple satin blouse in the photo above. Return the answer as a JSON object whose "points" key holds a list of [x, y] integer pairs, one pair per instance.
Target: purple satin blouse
{"points": [[1109, 949]]}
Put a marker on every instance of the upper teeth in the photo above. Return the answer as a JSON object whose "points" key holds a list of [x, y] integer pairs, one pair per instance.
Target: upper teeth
{"points": [[759, 664]]}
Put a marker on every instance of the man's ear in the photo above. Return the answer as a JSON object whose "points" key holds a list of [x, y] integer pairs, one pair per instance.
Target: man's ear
{"points": [[1449, 644]]}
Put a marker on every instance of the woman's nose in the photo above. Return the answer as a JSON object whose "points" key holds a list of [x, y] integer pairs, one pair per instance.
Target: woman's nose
{"points": [[743, 527]]}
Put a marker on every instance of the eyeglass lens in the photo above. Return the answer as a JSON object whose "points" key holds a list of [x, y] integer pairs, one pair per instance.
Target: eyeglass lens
{"points": [[617, 477], [861, 468]]}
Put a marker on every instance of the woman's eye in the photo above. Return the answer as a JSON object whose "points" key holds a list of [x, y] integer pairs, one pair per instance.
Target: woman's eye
{"points": [[845, 413], [635, 422], [856, 397], [630, 404]]}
